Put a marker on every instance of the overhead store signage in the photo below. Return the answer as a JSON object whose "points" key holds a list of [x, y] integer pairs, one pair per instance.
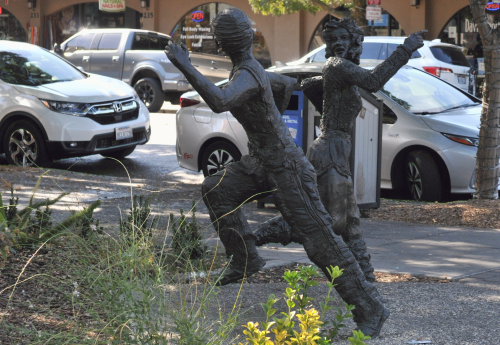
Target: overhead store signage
{"points": [[373, 13], [376, 2], [491, 6], [112, 5], [197, 16]]}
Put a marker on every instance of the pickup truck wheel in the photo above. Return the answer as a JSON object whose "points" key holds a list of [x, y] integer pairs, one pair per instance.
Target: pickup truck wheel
{"points": [[120, 154], [217, 156], [151, 94], [24, 145]]}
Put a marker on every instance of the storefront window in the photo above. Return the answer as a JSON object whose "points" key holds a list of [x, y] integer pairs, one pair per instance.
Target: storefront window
{"points": [[195, 32], [10, 28], [387, 26], [67, 22]]}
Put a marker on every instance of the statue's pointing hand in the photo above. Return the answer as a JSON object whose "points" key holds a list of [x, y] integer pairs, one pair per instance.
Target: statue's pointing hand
{"points": [[177, 54], [415, 40]]}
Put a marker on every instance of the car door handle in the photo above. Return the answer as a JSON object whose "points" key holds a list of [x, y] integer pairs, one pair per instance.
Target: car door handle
{"points": [[115, 58], [85, 58], [214, 65]]}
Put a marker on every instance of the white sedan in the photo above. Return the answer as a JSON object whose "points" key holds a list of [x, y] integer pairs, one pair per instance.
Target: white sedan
{"points": [[429, 133]]}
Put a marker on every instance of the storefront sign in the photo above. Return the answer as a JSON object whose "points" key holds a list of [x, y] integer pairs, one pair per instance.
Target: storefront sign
{"points": [[376, 2], [492, 6], [373, 13], [197, 16], [384, 21], [112, 5], [452, 31]]}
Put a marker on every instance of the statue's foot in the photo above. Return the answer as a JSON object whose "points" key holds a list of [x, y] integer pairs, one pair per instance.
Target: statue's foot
{"points": [[373, 325], [233, 274]]}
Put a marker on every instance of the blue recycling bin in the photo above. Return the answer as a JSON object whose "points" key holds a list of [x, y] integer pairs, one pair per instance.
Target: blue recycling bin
{"points": [[293, 117]]}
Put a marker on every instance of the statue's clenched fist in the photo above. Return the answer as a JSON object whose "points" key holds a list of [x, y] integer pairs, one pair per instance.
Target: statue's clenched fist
{"points": [[177, 54], [415, 40]]}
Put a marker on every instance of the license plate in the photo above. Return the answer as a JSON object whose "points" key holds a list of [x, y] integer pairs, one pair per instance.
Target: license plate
{"points": [[124, 133], [461, 79]]}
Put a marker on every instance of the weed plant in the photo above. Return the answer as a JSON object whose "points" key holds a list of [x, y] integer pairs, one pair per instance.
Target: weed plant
{"points": [[110, 289], [186, 237], [284, 329]]}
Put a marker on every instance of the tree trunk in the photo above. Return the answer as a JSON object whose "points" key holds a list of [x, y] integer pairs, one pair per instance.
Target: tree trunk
{"points": [[488, 152]]}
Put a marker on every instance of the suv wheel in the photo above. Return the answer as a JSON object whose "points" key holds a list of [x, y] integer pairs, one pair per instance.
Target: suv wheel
{"points": [[423, 177], [217, 156], [120, 154], [150, 93], [24, 145]]}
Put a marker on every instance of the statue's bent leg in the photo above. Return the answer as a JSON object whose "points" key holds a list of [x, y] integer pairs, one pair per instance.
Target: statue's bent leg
{"points": [[223, 194], [337, 195], [297, 198]]}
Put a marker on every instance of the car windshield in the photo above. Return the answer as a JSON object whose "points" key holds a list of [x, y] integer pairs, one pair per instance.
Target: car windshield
{"points": [[421, 93], [35, 66]]}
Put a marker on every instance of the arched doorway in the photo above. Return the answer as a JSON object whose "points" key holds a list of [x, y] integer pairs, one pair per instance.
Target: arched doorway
{"points": [[65, 23], [387, 26], [11, 28], [195, 32]]}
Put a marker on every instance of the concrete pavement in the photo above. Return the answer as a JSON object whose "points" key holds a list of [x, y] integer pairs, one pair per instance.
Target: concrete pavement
{"points": [[406, 248]]}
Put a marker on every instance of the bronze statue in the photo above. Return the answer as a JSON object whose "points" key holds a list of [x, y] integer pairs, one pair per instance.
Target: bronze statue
{"points": [[274, 163], [335, 95]]}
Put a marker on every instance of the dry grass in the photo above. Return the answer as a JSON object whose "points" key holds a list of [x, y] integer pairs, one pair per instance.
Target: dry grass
{"points": [[471, 213]]}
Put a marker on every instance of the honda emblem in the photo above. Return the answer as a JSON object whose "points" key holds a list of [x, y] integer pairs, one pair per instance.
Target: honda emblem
{"points": [[117, 106]]}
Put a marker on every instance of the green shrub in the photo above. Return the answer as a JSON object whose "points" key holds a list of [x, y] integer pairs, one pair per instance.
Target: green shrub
{"points": [[18, 229], [186, 238], [310, 323], [139, 224]]}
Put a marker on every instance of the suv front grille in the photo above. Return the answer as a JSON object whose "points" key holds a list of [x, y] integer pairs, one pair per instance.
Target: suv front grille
{"points": [[115, 112], [109, 142]]}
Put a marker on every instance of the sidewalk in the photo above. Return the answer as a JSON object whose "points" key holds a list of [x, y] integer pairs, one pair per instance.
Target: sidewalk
{"points": [[405, 248]]}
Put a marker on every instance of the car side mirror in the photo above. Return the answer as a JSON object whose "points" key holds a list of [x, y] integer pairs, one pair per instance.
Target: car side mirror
{"points": [[57, 49]]}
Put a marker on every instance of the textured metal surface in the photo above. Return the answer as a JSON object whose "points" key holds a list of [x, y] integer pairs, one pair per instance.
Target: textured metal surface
{"points": [[276, 164]]}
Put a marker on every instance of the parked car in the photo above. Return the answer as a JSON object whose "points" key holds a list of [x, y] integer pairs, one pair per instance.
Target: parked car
{"points": [[137, 57], [49, 109], [429, 136], [446, 61]]}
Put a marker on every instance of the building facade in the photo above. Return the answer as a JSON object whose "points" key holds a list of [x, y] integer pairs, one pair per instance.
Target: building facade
{"points": [[284, 38]]}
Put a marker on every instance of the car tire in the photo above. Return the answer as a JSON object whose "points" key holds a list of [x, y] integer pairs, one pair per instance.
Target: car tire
{"points": [[422, 177], [150, 93], [120, 154], [217, 155], [24, 145]]}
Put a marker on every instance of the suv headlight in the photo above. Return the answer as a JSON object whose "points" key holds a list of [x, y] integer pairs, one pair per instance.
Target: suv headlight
{"points": [[75, 109], [469, 141]]}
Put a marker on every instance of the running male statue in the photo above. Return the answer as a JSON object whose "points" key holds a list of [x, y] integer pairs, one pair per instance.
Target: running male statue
{"points": [[335, 95], [274, 163]]}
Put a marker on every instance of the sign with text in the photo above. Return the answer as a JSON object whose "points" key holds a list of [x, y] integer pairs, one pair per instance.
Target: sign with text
{"points": [[373, 13], [112, 5], [376, 2], [197, 16]]}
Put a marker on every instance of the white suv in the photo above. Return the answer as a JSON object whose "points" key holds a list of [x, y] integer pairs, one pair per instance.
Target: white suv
{"points": [[443, 60], [49, 109]]}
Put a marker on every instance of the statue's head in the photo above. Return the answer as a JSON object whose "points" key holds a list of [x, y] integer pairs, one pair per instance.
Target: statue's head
{"points": [[233, 31], [343, 39]]}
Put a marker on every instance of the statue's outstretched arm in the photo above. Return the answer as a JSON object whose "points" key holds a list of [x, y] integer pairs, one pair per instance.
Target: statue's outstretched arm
{"points": [[237, 91]]}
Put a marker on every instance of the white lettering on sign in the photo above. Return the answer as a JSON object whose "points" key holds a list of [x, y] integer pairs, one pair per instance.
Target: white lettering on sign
{"points": [[471, 27], [373, 13], [195, 29]]}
